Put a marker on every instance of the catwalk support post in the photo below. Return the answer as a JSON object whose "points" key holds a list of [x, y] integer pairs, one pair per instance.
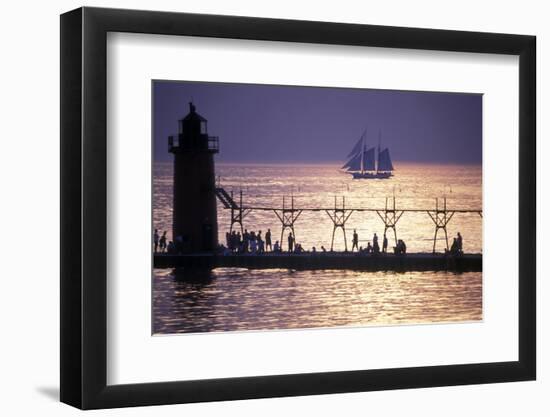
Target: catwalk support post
{"points": [[339, 217]]}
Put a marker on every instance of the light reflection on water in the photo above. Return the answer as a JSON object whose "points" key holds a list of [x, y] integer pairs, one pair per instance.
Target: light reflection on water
{"points": [[239, 299]]}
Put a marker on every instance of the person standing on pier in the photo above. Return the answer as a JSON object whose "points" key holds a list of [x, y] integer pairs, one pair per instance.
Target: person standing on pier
{"points": [[385, 244], [355, 241], [375, 246], [290, 242], [459, 242], [268, 240], [260, 242], [163, 242], [261, 246], [156, 240], [171, 248], [246, 239], [252, 242], [454, 247]]}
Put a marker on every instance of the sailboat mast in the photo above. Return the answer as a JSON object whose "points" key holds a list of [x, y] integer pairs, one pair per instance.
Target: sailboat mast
{"points": [[364, 149], [363, 154], [378, 153]]}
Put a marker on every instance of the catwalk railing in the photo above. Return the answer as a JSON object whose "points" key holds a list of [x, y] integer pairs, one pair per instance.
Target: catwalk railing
{"points": [[339, 214]]}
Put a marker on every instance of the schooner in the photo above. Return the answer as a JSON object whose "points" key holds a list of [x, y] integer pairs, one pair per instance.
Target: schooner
{"points": [[364, 162]]}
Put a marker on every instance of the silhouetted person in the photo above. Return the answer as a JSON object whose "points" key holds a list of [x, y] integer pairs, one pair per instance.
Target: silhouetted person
{"points": [[162, 242], [156, 240], [375, 245], [454, 247], [246, 239], [385, 244], [355, 241], [290, 242], [400, 248], [268, 240], [459, 242], [276, 247], [323, 249], [171, 248], [253, 242], [369, 248], [397, 247], [260, 242]]}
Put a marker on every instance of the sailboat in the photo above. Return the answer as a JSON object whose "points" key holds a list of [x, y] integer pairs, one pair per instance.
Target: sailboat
{"points": [[364, 162]]}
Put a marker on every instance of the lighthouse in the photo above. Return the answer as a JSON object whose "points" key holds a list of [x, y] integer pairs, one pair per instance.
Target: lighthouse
{"points": [[194, 217]]}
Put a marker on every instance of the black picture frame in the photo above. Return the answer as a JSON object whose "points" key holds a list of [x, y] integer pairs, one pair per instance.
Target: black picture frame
{"points": [[84, 207]]}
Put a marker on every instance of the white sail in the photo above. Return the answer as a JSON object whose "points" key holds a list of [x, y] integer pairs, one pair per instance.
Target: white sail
{"points": [[384, 161], [357, 148], [354, 164]]}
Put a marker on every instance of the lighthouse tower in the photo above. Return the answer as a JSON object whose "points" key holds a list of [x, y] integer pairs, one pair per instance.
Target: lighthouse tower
{"points": [[194, 223]]}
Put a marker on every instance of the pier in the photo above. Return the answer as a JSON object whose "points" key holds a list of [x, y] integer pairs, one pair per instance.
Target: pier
{"points": [[327, 260], [288, 214]]}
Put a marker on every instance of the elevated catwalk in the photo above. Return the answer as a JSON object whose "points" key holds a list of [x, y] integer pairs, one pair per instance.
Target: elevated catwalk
{"points": [[353, 261], [441, 215]]}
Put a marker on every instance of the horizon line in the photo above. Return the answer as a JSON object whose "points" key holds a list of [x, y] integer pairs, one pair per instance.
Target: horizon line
{"points": [[331, 162]]}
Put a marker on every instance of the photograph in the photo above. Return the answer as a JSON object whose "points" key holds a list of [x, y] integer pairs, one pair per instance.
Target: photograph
{"points": [[282, 207]]}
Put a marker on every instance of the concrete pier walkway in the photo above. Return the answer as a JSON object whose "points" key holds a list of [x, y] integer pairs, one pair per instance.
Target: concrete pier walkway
{"points": [[327, 260]]}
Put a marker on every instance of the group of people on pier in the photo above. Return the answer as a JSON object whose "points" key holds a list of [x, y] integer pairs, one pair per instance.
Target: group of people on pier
{"points": [[249, 242], [400, 247], [253, 242], [456, 246], [161, 244]]}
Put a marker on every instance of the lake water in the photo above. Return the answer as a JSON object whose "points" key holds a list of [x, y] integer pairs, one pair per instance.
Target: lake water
{"points": [[239, 299]]}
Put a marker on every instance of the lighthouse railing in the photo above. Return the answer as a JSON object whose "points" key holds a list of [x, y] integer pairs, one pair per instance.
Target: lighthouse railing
{"points": [[213, 143], [173, 142]]}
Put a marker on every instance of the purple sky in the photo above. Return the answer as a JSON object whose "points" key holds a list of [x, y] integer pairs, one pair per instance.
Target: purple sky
{"points": [[266, 123]]}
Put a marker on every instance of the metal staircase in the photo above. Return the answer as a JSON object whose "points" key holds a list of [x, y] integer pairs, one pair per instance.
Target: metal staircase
{"points": [[226, 199]]}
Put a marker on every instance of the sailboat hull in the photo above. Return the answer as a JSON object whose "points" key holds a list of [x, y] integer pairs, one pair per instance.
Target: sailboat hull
{"points": [[371, 175]]}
